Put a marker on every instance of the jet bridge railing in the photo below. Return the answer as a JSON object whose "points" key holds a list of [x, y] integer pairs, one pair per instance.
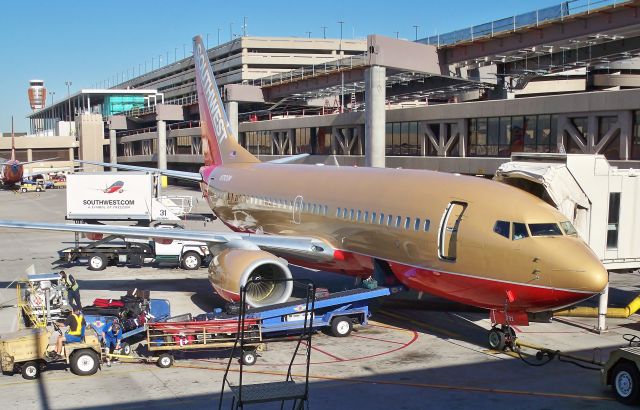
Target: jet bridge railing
{"points": [[304, 72], [530, 19]]}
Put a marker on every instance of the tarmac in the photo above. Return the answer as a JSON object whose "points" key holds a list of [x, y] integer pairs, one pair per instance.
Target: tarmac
{"points": [[416, 353]]}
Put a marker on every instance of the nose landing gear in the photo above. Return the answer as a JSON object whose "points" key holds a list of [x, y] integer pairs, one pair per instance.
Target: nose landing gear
{"points": [[501, 338]]}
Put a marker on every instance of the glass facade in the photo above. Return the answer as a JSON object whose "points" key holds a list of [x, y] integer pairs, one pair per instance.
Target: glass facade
{"points": [[500, 136], [259, 142], [401, 138]]}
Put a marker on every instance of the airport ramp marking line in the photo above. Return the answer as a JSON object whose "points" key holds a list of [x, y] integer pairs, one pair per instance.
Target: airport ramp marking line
{"points": [[377, 339], [66, 376], [422, 324], [417, 385], [324, 352]]}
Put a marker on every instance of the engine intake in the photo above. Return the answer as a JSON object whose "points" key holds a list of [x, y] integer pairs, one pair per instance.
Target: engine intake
{"points": [[233, 268]]}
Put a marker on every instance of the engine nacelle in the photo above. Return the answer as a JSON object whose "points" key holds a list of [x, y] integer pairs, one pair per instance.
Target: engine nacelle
{"points": [[232, 268]]}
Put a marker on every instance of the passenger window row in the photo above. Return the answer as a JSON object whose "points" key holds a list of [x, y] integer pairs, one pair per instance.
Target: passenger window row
{"points": [[279, 203], [375, 218]]}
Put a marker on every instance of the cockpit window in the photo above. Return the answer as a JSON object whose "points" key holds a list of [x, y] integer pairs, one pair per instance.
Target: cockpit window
{"points": [[568, 228], [545, 229], [519, 231], [502, 228]]}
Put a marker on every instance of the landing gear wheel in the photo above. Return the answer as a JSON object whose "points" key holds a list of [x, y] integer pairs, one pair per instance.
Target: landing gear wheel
{"points": [[497, 339], [30, 370], [341, 326], [191, 261], [249, 358], [625, 381], [97, 261], [84, 362], [165, 360]]}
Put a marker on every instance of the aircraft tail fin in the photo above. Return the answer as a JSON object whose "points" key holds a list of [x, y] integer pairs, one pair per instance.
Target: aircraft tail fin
{"points": [[219, 143], [13, 142]]}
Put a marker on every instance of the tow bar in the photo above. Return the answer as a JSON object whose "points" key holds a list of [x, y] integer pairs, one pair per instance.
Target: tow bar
{"points": [[544, 356]]}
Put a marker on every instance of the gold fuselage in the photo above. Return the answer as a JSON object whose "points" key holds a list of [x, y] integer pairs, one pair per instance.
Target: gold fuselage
{"points": [[307, 200]]}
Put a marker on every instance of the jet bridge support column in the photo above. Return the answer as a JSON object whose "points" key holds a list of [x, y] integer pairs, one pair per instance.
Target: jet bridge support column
{"points": [[232, 112], [162, 144], [374, 118], [113, 149]]}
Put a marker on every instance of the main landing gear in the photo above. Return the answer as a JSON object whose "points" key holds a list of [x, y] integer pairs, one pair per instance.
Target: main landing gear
{"points": [[502, 337]]}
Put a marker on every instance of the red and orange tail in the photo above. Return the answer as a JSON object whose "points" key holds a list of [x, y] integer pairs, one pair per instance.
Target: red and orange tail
{"points": [[13, 142], [220, 145]]}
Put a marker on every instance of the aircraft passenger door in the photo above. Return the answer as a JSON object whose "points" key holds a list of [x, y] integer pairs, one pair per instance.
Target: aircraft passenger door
{"points": [[297, 209], [448, 232]]}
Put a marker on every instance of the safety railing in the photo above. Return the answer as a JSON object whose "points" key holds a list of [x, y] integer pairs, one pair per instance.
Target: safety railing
{"points": [[533, 18], [314, 70]]}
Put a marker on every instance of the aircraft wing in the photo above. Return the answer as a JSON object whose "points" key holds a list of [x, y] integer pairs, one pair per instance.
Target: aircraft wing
{"points": [[287, 160], [191, 176], [307, 248], [38, 160]]}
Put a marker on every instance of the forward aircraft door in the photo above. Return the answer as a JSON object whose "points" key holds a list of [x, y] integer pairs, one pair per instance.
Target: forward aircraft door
{"points": [[297, 209], [449, 228]]}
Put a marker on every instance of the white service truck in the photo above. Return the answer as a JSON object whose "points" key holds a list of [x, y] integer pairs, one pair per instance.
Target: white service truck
{"points": [[133, 197]]}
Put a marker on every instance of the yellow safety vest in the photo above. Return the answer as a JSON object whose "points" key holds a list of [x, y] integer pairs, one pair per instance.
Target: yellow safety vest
{"points": [[68, 284], [78, 330]]}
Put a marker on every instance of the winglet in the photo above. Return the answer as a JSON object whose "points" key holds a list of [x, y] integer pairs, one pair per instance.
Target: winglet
{"points": [[219, 144]]}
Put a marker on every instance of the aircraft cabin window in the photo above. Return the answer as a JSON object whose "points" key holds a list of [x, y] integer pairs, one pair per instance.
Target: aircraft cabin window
{"points": [[381, 221], [427, 223], [315, 208], [326, 209], [416, 225], [344, 213], [366, 217], [373, 217], [351, 214], [338, 212], [389, 219], [398, 221], [502, 228], [519, 231], [568, 228], [549, 229], [359, 217], [407, 222]]}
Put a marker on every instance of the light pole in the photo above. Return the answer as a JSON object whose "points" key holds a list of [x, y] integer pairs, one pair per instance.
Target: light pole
{"points": [[397, 33], [175, 54], [68, 84], [324, 31], [244, 26], [207, 41], [341, 23], [219, 30], [230, 31], [416, 27], [159, 60], [184, 50], [308, 34]]}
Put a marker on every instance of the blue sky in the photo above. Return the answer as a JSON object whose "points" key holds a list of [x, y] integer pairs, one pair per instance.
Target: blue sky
{"points": [[87, 42]]}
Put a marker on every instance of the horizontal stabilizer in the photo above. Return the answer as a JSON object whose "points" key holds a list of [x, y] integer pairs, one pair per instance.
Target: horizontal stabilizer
{"points": [[190, 176], [287, 160]]}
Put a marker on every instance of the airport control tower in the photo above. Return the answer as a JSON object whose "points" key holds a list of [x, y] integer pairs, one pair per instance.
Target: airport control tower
{"points": [[37, 94]]}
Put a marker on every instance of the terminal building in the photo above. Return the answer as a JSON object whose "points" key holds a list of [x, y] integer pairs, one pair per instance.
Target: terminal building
{"points": [[560, 79]]}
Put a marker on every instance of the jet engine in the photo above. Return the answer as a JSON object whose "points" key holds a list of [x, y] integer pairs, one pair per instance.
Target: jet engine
{"points": [[233, 268]]}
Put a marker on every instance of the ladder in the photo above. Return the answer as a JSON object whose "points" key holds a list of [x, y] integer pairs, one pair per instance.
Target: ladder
{"points": [[289, 390]]}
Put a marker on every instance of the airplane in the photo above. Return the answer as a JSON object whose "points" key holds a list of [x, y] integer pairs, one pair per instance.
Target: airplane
{"points": [[12, 171], [463, 238]]}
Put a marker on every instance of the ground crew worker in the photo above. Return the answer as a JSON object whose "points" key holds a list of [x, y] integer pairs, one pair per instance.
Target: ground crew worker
{"points": [[73, 290], [112, 336], [75, 324]]}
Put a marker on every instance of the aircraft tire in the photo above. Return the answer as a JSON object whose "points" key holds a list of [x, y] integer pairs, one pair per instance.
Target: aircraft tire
{"points": [[497, 339]]}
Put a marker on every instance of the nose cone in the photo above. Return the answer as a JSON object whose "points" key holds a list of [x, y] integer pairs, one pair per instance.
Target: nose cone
{"points": [[577, 268]]}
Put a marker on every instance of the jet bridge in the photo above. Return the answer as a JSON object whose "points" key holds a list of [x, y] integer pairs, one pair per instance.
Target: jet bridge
{"points": [[599, 199]]}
